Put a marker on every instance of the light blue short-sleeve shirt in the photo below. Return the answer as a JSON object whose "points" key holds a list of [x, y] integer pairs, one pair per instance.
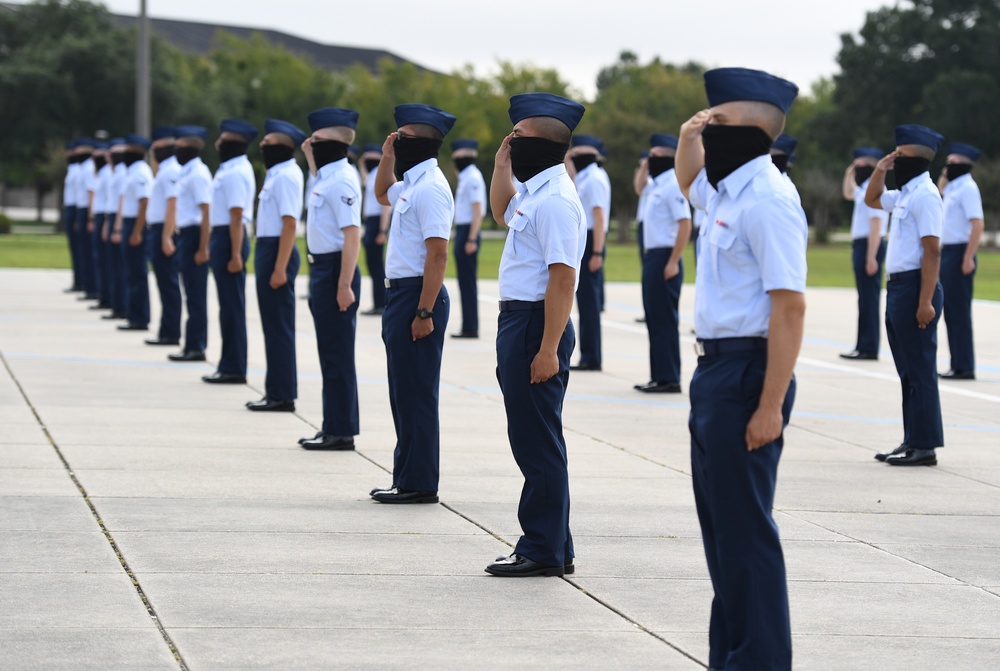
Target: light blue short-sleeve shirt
{"points": [[193, 189], [234, 186], [471, 189], [752, 241], [138, 185], [103, 203], [917, 212], [165, 182], [422, 208], [547, 225], [665, 206], [281, 196], [862, 216], [334, 203], [962, 203], [594, 191]]}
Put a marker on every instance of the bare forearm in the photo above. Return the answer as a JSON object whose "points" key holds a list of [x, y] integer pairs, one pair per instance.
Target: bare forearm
{"points": [[140, 218], [930, 267], [236, 231], [286, 242], [170, 219], [385, 178], [683, 235], [975, 237], [784, 341], [848, 185], [434, 267], [558, 305], [598, 234], [874, 239], [689, 161], [873, 196], [349, 255], [206, 229], [477, 221]]}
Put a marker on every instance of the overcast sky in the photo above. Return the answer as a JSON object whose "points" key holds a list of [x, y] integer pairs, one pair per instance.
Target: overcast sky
{"points": [[796, 39]]}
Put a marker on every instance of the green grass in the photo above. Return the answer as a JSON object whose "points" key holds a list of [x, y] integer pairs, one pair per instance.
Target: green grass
{"points": [[829, 265]]}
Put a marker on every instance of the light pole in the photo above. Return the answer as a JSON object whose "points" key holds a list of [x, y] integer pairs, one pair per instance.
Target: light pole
{"points": [[142, 88]]}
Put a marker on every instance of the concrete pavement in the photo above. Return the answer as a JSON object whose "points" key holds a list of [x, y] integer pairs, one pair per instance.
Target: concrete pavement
{"points": [[151, 522]]}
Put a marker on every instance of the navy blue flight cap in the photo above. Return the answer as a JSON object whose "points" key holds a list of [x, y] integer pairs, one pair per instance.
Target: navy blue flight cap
{"points": [[161, 132], [332, 116], [101, 145], [425, 114], [868, 152], [140, 140], [84, 142], [662, 140], [291, 130], [966, 150], [724, 85], [240, 127], [192, 131], [586, 141], [372, 147], [922, 135], [527, 105], [116, 141], [785, 143], [464, 143]]}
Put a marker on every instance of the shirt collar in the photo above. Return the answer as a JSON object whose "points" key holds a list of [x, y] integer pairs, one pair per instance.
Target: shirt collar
{"points": [[234, 160], [329, 168], [662, 177], [961, 179], [278, 167], [544, 176], [418, 171], [169, 160], [917, 182], [736, 181]]}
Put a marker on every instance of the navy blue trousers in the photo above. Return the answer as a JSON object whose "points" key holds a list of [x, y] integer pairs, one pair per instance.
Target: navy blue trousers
{"points": [[374, 257], [277, 317], [958, 307], [116, 269], [101, 262], [642, 245], [136, 275], [69, 225], [335, 333], [660, 298], [535, 430], [588, 304], [86, 252], [166, 269], [869, 295], [914, 351], [466, 266], [231, 289], [414, 379], [195, 280], [734, 494]]}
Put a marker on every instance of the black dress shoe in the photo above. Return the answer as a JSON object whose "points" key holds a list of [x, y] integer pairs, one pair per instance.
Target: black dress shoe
{"points": [[133, 327], [465, 334], [224, 378], [958, 375], [568, 567], [271, 405], [321, 441], [187, 356], [914, 457], [318, 434], [73, 289], [88, 297], [397, 495], [115, 315], [374, 312], [519, 566], [640, 320], [381, 489], [654, 387], [585, 366], [100, 306], [161, 341], [882, 456], [860, 356]]}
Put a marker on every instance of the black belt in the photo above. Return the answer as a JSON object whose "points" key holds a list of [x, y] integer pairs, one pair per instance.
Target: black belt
{"points": [[718, 346], [404, 282], [514, 306], [322, 258], [906, 274]]}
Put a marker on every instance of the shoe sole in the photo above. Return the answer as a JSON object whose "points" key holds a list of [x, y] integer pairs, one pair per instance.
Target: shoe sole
{"points": [[424, 499], [548, 572], [924, 462], [252, 409], [337, 448]]}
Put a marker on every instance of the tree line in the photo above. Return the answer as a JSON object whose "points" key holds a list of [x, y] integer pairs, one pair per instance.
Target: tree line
{"points": [[67, 69]]}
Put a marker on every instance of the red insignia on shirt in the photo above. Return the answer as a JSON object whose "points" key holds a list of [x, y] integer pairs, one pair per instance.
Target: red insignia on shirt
{"points": [[720, 222], [519, 213]]}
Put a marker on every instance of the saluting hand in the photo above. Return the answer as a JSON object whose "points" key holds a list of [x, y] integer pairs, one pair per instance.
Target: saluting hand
{"points": [[691, 129], [887, 162], [503, 153], [388, 150]]}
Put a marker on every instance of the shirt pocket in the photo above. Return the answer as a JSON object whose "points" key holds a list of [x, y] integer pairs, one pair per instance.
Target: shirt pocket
{"points": [[399, 219], [316, 202]]}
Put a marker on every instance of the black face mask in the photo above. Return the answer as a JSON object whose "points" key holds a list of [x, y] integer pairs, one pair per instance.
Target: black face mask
{"points": [[371, 163], [229, 149], [659, 165], [530, 155], [100, 162], [463, 163], [117, 157], [780, 162], [583, 160], [161, 154], [186, 154], [730, 147], [276, 153], [411, 151], [862, 173], [133, 157], [328, 151], [80, 158], [906, 168], [955, 170]]}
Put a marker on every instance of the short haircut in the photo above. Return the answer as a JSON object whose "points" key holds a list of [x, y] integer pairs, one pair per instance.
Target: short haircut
{"points": [[551, 128], [765, 115], [192, 141], [923, 151], [284, 138], [343, 134], [426, 130]]}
